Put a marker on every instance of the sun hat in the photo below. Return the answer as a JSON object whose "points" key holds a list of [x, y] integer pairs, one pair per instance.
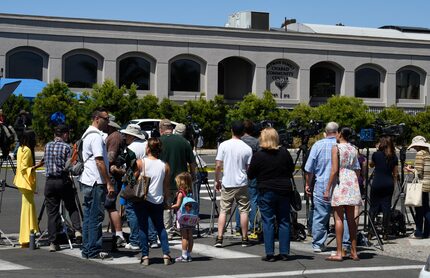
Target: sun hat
{"points": [[180, 129], [166, 123], [112, 122], [419, 141], [134, 130]]}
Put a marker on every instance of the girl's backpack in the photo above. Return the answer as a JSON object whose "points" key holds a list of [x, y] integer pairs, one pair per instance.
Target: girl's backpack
{"points": [[188, 213]]}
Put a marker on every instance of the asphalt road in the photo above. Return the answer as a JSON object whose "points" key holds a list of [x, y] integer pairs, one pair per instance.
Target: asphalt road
{"points": [[231, 261]]}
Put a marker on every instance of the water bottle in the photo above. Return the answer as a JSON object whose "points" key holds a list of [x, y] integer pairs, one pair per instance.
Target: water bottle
{"points": [[32, 244]]}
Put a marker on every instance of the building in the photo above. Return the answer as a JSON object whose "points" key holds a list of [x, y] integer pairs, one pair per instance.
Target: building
{"points": [[299, 63]]}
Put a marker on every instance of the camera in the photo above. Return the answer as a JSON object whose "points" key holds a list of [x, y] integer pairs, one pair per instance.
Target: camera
{"points": [[193, 132], [367, 137]]}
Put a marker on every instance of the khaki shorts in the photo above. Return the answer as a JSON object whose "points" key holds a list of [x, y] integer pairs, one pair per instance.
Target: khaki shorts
{"points": [[229, 195]]}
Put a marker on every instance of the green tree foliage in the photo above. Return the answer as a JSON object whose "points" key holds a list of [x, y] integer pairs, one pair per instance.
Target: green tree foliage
{"points": [[394, 115], [303, 114], [171, 110], [346, 111], [421, 124], [257, 109], [117, 101], [12, 106], [148, 107], [56, 97]]}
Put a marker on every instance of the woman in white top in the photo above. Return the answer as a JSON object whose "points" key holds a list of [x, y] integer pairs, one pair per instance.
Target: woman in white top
{"points": [[153, 206]]}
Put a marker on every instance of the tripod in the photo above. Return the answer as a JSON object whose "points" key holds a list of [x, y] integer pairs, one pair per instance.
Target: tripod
{"points": [[66, 225], [5, 159]]}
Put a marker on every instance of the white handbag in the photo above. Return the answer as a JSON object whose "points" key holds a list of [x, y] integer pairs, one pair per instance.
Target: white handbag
{"points": [[414, 192]]}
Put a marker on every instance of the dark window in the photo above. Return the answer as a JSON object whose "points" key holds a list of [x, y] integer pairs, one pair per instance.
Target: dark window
{"points": [[185, 76], [134, 70], [367, 83], [407, 85], [323, 82], [80, 71], [25, 64]]}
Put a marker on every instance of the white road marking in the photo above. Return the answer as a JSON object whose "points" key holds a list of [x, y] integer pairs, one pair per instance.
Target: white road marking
{"points": [[213, 252], [5, 265], [314, 271], [122, 259]]}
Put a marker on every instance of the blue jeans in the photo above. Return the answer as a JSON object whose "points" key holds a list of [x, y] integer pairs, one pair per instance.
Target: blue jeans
{"points": [[145, 210], [94, 213], [253, 194], [320, 221], [152, 233], [275, 206], [133, 224]]}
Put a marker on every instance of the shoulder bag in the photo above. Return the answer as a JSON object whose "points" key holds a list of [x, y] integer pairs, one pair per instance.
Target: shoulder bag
{"points": [[137, 192], [414, 191]]}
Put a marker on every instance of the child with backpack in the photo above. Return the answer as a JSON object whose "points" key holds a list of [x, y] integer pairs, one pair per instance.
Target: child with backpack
{"points": [[187, 214]]}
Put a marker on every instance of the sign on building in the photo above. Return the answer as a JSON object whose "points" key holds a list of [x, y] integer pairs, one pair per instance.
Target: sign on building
{"points": [[282, 79]]}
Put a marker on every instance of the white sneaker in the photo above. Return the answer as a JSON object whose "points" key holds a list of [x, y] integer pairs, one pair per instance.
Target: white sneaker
{"points": [[154, 245], [131, 246]]}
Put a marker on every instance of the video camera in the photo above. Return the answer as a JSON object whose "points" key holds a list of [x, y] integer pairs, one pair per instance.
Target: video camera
{"points": [[367, 137]]}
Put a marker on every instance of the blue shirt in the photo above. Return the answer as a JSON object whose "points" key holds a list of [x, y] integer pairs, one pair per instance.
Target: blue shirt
{"points": [[319, 164], [56, 154]]}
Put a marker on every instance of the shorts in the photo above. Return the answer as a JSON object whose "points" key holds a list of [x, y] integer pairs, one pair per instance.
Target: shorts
{"points": [[229, 195]]}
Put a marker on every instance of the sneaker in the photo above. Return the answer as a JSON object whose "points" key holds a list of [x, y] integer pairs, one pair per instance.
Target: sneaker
{"points": [[102, 256], [413, 236], [253, 236], [181, 259], [154, 245], [218, 242], [268, 258], [319, 249], [120, 242], [78, 237], [245, 242], [284, 257], [54, 247], [189, 259], [238, 233], [132, 247]]}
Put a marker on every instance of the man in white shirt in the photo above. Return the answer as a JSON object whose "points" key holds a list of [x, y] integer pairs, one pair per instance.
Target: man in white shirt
{"points": [[235, 155], [95, 183]]}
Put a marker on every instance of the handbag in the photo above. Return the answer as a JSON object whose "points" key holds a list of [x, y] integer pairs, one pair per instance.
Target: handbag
{"points": [[296, 200], [414, 192], [138, 191]]}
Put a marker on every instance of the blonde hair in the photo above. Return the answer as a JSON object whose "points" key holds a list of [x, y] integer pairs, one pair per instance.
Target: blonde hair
{"points": [[184, 182], [269, 139]]}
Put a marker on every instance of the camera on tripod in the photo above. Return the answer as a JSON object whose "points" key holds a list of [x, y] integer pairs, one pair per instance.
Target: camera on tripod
{"points": [[367, 137], [193, 132]]}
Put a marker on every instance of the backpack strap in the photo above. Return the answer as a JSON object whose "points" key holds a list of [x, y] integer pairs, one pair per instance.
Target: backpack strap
{"points": [[83, 137]]}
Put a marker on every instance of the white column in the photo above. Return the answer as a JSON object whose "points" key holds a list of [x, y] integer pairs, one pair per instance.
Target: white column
{"points": [[303, 88], [390, 94], [211, 81], [259, 85], [162, 80]]}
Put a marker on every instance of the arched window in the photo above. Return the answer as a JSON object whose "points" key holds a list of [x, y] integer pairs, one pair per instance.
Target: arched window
{"points": [[185, 76], [25, 64], [367, 83], [323, 82], [80, 71], [408, 84], [235, 78], [135, 70]]}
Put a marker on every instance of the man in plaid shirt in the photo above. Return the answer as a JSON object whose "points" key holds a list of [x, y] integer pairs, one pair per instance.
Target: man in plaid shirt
{"points": [[59, 187]]}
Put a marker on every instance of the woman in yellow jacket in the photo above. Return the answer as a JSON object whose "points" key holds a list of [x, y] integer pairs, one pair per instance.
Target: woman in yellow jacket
{"points": [[25, 180]]}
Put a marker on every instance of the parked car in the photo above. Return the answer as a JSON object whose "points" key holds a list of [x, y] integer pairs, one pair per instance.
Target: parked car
{"points": [[150, 126]]}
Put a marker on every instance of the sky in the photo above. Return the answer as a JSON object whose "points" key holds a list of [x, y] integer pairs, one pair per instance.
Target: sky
{"points": [[362, 13]]}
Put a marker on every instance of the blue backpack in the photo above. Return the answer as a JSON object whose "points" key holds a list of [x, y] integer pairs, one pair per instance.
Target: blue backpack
{"points": [[188, 213]]}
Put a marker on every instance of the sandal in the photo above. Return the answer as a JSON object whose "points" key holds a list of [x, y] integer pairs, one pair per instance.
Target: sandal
{"points": [[144, 261], [354, 258], [167, 260], [334, 259]]}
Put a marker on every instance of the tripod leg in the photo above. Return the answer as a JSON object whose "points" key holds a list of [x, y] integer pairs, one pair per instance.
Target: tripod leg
{"points": [[42, 209], [8, 239], [378, 237], [233, 212], [65, 225]]}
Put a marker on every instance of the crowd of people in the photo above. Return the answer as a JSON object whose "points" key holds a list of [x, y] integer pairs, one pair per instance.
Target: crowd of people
{"points": [[256, 174]]}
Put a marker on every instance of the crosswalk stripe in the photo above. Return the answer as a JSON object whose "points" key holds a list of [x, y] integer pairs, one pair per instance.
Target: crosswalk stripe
{"points": [[213, 252], [5, 265]]}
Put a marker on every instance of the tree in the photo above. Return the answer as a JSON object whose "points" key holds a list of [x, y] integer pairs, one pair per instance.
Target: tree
{"points": [[421, 124], [56, 97], [148, 107], [346, 111], [13, 105]]}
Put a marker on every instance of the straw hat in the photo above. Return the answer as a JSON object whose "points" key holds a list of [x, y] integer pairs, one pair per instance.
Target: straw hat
{"points": [[134, 130], [419, 141]]}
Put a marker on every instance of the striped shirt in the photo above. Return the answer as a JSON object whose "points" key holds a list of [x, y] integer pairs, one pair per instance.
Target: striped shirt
{"points": [[56, 154], [422, 165], [319, 164]]}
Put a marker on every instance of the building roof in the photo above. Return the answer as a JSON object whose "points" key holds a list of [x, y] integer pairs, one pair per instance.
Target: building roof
{"points": [[395, 32]]}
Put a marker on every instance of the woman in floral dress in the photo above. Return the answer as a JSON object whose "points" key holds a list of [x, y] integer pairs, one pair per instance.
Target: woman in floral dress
{"points": [[344, 189]]}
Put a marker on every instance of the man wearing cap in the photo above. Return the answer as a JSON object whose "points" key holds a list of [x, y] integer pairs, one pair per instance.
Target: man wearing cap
{"points": [[115, 146], [422, 167], [178, 154], [319, 165], [59, 187]]}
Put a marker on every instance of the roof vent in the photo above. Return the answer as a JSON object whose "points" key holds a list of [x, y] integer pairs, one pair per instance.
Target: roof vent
{"points": [[249, 20]]}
